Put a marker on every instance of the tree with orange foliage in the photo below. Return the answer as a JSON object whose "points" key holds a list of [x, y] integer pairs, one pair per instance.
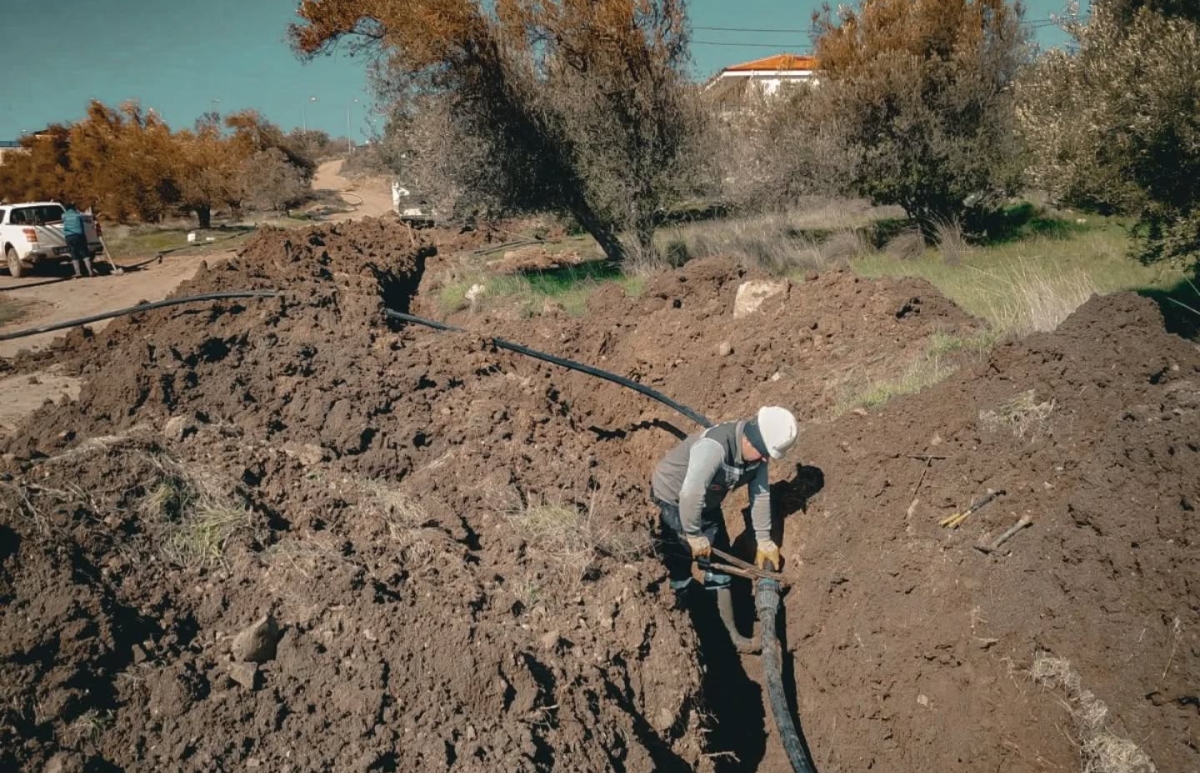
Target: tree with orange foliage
{"points": [[573, 106], [128, 164], [124, 162], [207, 170], [251, 133], [42, 171], [920, 94]]}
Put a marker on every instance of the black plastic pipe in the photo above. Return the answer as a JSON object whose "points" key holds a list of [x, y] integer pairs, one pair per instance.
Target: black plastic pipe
{"points": [[562, 362], [136, 309], [766, 601]]}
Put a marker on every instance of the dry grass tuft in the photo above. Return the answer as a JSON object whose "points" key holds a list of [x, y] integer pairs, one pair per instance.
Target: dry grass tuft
{"points": [[1023, 415], [404, 519], [906, 245], [1028, 298], [843, 247], [1101, 750], [190, 514], [951, 241], [781, 243], [573, 535]]}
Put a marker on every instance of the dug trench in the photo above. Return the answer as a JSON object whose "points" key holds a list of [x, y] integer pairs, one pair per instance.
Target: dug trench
{"points": [[282, 534]]}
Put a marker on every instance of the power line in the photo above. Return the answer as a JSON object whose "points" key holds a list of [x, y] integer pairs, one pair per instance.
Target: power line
{"points": [[749, 29], [775, 46], [1035, 23]]}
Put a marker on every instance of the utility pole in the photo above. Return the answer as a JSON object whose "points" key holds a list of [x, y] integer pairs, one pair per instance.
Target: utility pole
{"points": [[305, 114], [349, 142]]}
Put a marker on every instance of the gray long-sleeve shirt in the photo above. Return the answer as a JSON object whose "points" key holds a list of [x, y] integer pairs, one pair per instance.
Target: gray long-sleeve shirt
{"points": [[698, 473]]}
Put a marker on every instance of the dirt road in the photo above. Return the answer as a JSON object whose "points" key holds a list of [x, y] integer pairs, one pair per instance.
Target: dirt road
{"points": [[371, 195]]}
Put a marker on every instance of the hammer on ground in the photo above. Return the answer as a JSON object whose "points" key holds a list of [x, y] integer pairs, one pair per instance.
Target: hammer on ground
{"points": [[953, 521], [995, 544]]}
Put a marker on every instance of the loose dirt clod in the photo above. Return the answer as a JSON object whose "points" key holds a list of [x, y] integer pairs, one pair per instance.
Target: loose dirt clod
{"points": [[256, 642], [245, 674]]}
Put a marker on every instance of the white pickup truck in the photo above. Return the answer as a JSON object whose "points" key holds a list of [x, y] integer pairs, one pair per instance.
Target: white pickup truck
{"points": [[413, 207], [31, 233]]}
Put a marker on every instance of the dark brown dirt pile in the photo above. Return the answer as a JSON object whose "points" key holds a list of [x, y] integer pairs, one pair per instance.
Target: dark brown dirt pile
{"points": [[913, 649], [817, 340], [416, 632], [451, 539]]}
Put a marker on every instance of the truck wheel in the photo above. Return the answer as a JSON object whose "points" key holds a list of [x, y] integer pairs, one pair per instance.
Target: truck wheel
{"points": [[14, 263]]}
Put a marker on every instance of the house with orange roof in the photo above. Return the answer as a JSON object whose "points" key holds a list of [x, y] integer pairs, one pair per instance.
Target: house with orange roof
{"points": [[765, 77]]}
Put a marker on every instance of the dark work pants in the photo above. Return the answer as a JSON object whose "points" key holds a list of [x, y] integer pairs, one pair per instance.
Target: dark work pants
{"points": [[677, 555], [80, 256], [78, 245]]}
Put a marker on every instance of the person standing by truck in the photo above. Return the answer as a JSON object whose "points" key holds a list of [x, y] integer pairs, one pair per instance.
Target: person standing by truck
{"points": [[77, 243]]}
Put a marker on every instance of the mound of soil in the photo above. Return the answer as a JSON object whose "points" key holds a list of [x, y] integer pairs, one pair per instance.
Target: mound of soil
{"points": [[913, 649], [451, 541], [811, 346], [416, 631]]}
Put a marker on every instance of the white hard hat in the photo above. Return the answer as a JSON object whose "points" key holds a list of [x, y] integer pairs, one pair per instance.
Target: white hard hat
{"points": [[778, 429]]}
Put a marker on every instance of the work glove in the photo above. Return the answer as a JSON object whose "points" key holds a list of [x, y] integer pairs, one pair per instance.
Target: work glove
{"points": [[701, 547], [768, 553]]}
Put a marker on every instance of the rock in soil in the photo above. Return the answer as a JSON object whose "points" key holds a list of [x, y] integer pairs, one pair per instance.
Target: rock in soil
{"points": [[256, 643], [245, 674]]}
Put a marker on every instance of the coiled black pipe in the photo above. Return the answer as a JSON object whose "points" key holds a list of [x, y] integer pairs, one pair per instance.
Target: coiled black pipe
{"points": [[766, 602], [136, 309], [561, 362]]}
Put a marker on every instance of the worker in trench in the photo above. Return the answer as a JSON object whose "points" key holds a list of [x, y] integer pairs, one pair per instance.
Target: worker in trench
{"points": [[689, 486]]}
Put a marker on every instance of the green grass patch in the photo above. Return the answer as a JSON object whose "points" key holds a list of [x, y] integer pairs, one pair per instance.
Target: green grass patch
{"points": [[944, 353], [923, 372], [146, 242], [1025, 221], [1034, 268], [943, 344], [1034, 283], [569, 286]]}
